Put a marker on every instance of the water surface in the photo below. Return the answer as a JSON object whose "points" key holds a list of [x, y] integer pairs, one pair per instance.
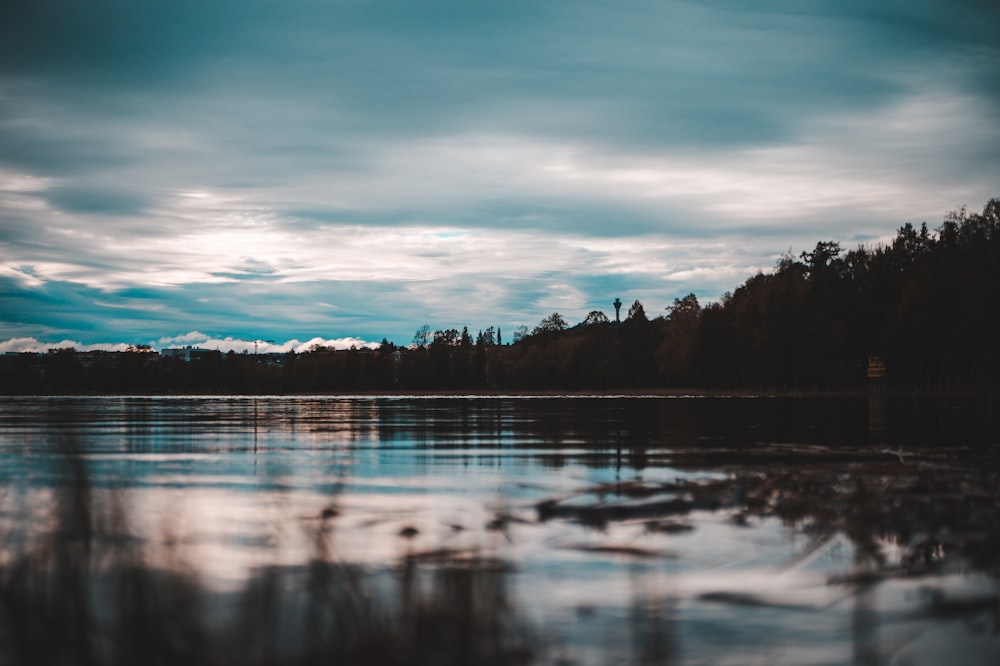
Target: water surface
{"points": [[624, 529]]}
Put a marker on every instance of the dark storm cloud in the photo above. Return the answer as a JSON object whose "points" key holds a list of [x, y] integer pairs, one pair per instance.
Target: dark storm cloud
{"points": [[97, 200], [653, 75], [656, 73], [66, 151], [116, 42]]}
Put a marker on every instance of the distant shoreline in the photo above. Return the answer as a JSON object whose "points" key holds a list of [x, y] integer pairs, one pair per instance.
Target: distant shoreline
{"points": [[490, 394]]}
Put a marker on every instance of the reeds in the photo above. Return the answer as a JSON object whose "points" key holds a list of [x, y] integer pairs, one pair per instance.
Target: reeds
{"points": [[84, 592]]}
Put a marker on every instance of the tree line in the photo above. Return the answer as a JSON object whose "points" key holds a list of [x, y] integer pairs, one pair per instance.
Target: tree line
{"points": [[924, 304]]}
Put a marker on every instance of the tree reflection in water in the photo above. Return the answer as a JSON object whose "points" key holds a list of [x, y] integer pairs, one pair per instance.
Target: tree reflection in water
{"points": [[84, 593], [647, 488]]}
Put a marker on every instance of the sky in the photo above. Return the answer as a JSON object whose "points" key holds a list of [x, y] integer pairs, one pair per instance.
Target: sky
{"points": [[302, 171]]}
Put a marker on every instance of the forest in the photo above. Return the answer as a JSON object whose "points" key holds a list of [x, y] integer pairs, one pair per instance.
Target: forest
{"points": [[925, 305]]}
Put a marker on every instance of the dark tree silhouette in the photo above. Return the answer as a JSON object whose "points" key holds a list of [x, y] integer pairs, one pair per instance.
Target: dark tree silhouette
{"points": [[551, 324]]}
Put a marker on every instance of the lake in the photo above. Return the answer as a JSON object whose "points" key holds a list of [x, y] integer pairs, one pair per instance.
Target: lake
{"points": [[500, 529]]}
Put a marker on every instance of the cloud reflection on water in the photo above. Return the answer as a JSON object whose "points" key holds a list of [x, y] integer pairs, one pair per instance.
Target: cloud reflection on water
{"points": [[782, 556]]}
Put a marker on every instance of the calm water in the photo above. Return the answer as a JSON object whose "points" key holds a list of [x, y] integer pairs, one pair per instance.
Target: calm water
{"points": [[625, 529]]}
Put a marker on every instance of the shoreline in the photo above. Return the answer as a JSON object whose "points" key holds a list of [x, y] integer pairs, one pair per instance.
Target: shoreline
{"points": [[550, 393]]}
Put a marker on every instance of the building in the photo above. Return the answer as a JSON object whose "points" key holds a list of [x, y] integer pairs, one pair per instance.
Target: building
{"points": [[188, 353]]}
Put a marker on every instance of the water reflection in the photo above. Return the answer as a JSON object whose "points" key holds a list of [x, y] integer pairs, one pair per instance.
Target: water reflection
{"points": [[499, 530], [84, 590]]}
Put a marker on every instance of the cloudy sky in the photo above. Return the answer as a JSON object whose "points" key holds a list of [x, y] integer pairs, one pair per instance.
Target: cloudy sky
{"points": [[179, 170]]}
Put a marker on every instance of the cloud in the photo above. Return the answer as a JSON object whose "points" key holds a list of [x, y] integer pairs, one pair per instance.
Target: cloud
{"points": [[190, 338], [19, 345], [194, 339], [229, 343], [96, 200], [298, 170]]}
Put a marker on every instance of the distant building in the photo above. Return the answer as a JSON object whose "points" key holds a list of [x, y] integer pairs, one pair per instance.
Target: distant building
{"points": [[876, 371], [96, 357], [188, 353]]}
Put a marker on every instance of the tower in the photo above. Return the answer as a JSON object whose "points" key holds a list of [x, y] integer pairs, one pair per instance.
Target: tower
{"points": [[618, 310]]}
